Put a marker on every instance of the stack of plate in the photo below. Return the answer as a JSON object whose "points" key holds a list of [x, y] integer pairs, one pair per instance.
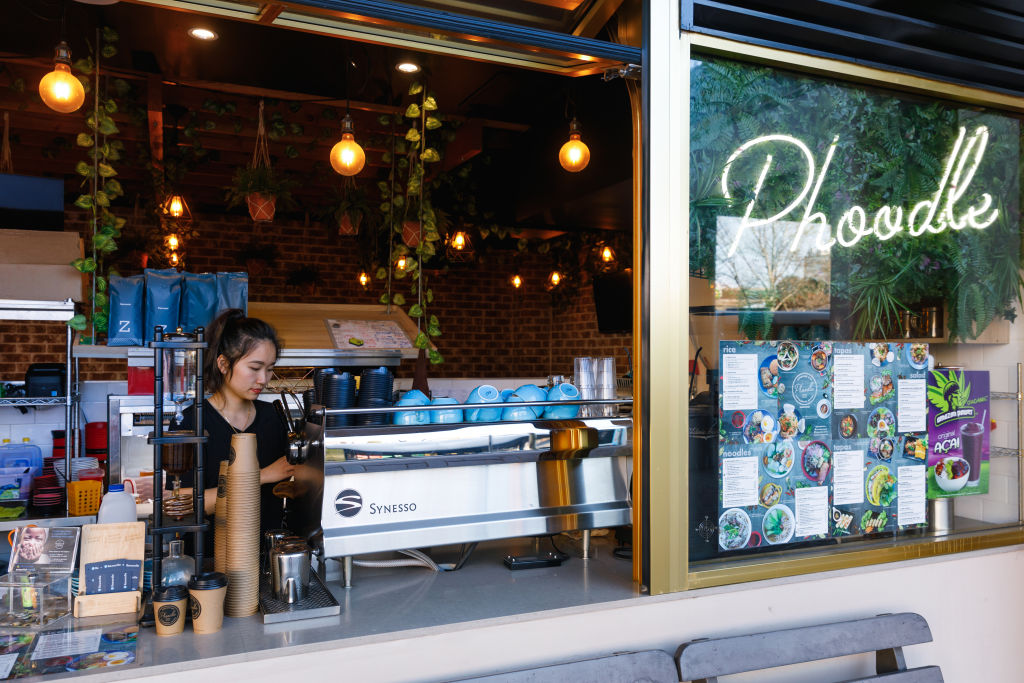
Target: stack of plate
{"points": [[339, 392], [79, 464], [375, 391], [242, 547], [48, 497]]}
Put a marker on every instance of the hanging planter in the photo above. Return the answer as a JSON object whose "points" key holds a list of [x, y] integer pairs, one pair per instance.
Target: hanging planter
{"points": [[257, 185], [411, 233], [349, 226], [261, 207]]}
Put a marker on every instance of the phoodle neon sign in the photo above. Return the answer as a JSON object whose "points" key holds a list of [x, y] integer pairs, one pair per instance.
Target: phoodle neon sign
{"points": [[933, 215]]}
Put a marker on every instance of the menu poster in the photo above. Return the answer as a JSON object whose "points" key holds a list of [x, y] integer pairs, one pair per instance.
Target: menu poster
{"points": [[958, 432], [828, 417], [769, 453]]}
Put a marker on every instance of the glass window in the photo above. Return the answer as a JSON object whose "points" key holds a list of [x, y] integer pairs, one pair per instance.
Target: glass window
{"points": [[855, 277]]}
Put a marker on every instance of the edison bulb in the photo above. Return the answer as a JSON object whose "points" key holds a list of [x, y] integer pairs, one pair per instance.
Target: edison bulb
{"points": [[364, 279], [172, 242], [174, 207], [60, 90], [459, 240], [607, 255], [400, 263], [347, 157], [517, 281], [574, 155], [555, 278], [174, 258]]}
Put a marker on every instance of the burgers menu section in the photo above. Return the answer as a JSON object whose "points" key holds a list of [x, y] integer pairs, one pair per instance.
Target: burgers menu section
{"points": [[820, 439]]}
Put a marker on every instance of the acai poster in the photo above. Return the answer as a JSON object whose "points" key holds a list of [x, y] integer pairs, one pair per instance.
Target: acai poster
{"points": [[958, 432]]}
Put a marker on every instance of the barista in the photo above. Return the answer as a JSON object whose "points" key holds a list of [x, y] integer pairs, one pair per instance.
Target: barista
{"points": [[237, 366]]}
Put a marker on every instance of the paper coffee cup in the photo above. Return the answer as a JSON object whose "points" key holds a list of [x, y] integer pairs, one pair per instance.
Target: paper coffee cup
{"points": [[206, 601], [242, 456], [169, 604]]}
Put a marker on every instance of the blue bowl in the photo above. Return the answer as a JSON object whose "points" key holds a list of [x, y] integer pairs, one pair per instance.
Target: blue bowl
{"points": [[413, 417], [485, 393], [514, 413], [505, 393], [531, 392], [562, 392], [445, 416]]}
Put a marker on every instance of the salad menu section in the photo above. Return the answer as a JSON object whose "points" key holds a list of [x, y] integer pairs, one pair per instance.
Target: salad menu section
{"points": [[820, 439]]}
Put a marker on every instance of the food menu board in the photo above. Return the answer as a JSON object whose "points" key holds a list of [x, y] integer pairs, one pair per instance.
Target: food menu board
{"points": [[958, 432], [814, 437]]}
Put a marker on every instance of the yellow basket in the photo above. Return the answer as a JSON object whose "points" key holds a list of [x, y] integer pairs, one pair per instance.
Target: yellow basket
{"points": [[84, 497]]}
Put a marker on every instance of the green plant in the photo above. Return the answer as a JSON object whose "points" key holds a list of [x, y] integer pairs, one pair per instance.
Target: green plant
{"points": [[99, 179], [349, 209], [262, 180]]}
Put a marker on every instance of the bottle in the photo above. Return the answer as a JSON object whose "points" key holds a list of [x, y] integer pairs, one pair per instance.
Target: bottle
{"points": [[177, 567], [117, 506]]}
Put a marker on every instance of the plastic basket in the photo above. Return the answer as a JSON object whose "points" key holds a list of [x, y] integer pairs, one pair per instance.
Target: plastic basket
{"points": [[84, 497]]}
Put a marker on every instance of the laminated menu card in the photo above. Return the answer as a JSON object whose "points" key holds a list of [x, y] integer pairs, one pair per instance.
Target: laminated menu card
{"points": [[958, 432], [814, 437]]}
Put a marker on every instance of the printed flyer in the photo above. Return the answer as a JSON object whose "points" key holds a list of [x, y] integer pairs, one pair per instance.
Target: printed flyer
{"points": [[815, 438], [958, 432]]}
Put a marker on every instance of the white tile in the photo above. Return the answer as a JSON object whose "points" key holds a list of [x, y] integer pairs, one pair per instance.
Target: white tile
{"points": [[49, 415], [998, 488], [1006, 467], [999, 513], [5, 432], [969, 507], [13, 416]]}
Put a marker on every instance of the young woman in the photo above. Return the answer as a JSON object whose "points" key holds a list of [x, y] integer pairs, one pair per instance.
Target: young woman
{"points": [[237, 366]]}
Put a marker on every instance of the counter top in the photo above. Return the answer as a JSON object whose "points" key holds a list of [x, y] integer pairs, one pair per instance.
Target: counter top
{"points": [[389, 601]]}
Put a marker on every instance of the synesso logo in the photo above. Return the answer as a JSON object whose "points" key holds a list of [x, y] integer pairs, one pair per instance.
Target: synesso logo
{"points": [[348, 503]]}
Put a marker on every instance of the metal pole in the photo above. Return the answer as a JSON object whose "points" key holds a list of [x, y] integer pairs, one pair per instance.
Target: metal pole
{"points": [[69, 450], [1020, 442], [158, 479]]}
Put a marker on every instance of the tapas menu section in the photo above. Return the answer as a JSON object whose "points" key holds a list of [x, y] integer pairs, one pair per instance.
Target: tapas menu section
{"points": [[820, 439]]}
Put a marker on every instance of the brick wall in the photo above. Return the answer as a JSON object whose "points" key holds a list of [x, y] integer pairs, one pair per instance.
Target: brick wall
{"points": [[489, 329]]}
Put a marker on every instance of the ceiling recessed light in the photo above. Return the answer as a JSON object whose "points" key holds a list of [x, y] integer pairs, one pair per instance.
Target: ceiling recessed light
{"points": [[408, 67], [202, 33]]}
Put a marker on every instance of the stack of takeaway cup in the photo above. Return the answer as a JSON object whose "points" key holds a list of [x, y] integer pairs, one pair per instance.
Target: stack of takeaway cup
{"points": [[242, 558], [604, 379], [319, 375], [339, 392], [220, 519], [583, 378], [376, 387]]}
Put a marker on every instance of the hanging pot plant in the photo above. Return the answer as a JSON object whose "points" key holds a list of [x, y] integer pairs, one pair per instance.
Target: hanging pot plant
{"points": [[411, 233], [350, 209], [257, 184]]}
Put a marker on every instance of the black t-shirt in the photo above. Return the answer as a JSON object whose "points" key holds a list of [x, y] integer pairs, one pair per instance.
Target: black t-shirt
{"points": [[271, 444]]}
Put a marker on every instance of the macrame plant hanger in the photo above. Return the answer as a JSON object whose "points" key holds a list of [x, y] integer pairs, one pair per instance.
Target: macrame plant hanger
{"points": [[6, 165], [261, 206]]}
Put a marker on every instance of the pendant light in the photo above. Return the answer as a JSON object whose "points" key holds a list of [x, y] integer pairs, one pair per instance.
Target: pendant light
{"points": [[517, 281], [574, 155], [554, 279], [175, 209], [364, 279], [347, 157], [607, 255], [60, 90]]}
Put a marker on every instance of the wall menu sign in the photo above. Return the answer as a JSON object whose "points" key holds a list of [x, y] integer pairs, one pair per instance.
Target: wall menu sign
{"points": [[958, 432], [820, 439]]}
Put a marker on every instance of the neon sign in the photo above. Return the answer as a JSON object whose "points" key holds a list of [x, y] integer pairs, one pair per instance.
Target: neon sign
{"points": [[933, 215]]}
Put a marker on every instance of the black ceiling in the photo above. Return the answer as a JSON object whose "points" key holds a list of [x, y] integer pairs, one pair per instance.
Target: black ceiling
{"points": [[972, 42], [526, 181]]}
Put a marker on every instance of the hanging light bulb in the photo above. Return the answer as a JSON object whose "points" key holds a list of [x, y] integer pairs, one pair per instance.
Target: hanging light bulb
{"points": [[174, 258], [347, 157], [555, 278], [574, 155], [607, 255], [175, 208], [60, 90], [517, 281], [172, 242], [400, 263], [364, 279], [459, 240]]}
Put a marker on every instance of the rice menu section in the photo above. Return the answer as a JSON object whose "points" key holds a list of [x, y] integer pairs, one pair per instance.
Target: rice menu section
{"points": [[820, 439]]}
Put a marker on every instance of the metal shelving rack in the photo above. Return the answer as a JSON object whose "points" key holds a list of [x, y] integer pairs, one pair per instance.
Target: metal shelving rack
{"points": [[49, 311], [197, 525]]}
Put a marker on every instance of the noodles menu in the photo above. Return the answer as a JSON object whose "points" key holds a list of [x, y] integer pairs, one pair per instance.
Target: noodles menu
{"points": [[820, 439]]}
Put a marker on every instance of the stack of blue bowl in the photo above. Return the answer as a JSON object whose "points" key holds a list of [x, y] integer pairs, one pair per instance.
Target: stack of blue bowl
{"points": [[339, 392], [318, 383], [376, 387]]}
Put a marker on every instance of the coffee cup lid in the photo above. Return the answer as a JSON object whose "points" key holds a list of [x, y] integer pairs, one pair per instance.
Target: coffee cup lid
{"points": [[208, 581], [170, 593]]}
